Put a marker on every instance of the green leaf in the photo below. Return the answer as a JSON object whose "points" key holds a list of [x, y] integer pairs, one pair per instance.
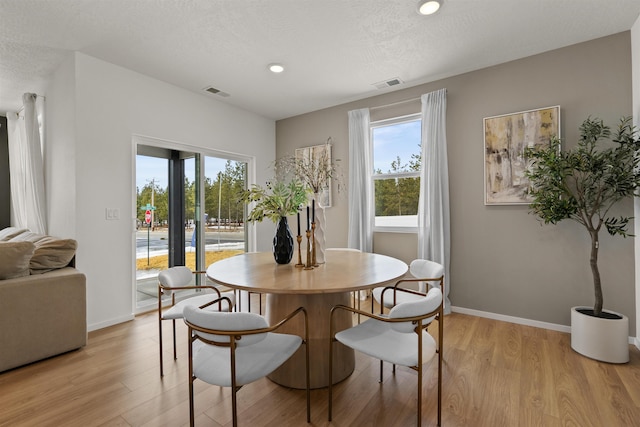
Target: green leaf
{"points": [[277, 200]]}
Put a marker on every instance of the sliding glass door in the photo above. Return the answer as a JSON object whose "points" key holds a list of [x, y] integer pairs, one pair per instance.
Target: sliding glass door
{"points": [[224, 214], [187, 213]]}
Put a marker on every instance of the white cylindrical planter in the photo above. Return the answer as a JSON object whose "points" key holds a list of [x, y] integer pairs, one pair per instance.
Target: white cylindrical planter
{"points": [[319, 232], [601, 339]]}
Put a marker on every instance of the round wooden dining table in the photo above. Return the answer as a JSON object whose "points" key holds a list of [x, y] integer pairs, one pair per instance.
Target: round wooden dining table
{"points": [[319, 289]]}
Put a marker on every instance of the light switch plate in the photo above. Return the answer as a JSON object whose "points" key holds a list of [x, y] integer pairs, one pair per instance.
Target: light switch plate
{"points": [[112, 214]]}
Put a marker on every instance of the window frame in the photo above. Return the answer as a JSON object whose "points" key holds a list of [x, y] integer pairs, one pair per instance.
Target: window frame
{"points": [[396, 228]]}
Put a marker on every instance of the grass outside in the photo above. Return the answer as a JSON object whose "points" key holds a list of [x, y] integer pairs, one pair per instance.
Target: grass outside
{"points": [[162, 262]]}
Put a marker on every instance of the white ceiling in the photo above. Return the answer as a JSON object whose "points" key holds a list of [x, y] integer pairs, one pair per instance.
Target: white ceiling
{"points": [[333, 50]]}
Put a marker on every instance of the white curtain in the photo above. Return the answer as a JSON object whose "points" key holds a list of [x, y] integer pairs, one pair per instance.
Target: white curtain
{"points": [[360, 192], [28, 204], [434, 238]]}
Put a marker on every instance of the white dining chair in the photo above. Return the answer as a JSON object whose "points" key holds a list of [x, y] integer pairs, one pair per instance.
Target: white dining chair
{"points": [[425, 273], [179, 278], [399, 338], [235, 349]]}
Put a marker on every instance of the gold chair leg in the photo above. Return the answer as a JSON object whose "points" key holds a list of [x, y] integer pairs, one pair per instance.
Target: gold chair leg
{"points": [[191, 378], [191, 412], [440, 390], [160, 344], [175, 350], [308, 383], [419, 369], [440, 348], [234, 406], [420, 396], [234, 387], [160, 329], [330, 388]]}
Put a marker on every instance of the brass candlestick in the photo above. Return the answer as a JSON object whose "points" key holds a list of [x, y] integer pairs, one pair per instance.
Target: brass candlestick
{"points": [[313, 250], [308, 266], [299, 239]]}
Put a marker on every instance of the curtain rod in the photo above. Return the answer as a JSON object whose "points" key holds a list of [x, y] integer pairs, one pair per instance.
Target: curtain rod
{"points": [[37, 96], [395, 103]]}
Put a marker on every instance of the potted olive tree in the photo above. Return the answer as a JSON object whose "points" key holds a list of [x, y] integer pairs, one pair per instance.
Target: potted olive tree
{"points": [[583, 184]]}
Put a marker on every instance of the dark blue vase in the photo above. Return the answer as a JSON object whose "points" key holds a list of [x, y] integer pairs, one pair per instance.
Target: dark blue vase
{"points": [[283, 242]]}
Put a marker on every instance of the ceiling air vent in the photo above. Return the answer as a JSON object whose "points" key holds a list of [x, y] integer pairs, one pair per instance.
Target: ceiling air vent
{"points": [[218, 92], [388, 83]]}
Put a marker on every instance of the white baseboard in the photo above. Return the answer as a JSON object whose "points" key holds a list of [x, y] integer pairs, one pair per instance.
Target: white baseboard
{"points": [[110, 322], [454, 309], [512, 319], [523, 321]]}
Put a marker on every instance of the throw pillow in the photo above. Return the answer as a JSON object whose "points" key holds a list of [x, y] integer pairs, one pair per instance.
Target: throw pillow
{"points": [[29, 236], [52, 253], [11, 232], [15, 258]]}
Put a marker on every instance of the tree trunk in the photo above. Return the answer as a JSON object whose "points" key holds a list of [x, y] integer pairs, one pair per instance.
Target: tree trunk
{"points": [[597, 287]]}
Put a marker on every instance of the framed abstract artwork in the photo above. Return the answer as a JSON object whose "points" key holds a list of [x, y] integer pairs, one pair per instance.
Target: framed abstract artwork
{"points": [[505, 140]]}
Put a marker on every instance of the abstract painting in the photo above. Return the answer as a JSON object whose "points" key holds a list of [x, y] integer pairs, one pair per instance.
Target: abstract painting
{"points": [[505, 140]]}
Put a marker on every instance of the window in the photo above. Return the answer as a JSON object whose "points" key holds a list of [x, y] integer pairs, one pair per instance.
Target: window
{"points": [[396, 175]]}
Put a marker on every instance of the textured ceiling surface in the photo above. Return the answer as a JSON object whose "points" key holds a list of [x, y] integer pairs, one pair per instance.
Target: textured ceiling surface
{"points": [[334, 51]]}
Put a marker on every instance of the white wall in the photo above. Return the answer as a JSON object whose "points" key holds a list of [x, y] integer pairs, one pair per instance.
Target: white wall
{"points": [[110, 105], [635, 83], [59, 154]]}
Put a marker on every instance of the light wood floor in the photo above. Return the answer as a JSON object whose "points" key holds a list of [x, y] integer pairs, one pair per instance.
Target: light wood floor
{"points": [[495, 374]]}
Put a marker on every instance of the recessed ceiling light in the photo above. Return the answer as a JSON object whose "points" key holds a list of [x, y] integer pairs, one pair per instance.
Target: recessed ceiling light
{"points": [[276, 68], [429, 7]]}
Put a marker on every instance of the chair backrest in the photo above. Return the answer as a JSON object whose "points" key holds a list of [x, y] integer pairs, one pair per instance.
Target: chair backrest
{"points": [[416, 308], [428, 269], [174, 276], [228, 322]]}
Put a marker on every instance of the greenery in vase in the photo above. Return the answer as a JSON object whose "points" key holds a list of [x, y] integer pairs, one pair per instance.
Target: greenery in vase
{"points": [[584, 183], [275, 201]]}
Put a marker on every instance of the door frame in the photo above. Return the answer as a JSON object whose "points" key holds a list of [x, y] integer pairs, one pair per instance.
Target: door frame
{"points": [[163, 144]]}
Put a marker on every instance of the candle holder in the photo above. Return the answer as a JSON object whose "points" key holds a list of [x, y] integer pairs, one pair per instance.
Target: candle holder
{"points": [[308, 266], [313, 250], [299, 239]]}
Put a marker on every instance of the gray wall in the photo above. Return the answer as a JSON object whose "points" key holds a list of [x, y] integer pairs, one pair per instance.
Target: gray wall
{"points": [[502, 260]]}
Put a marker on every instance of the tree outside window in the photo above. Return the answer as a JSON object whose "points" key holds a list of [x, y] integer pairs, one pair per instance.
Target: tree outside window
{"points": [[396, 175]]}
